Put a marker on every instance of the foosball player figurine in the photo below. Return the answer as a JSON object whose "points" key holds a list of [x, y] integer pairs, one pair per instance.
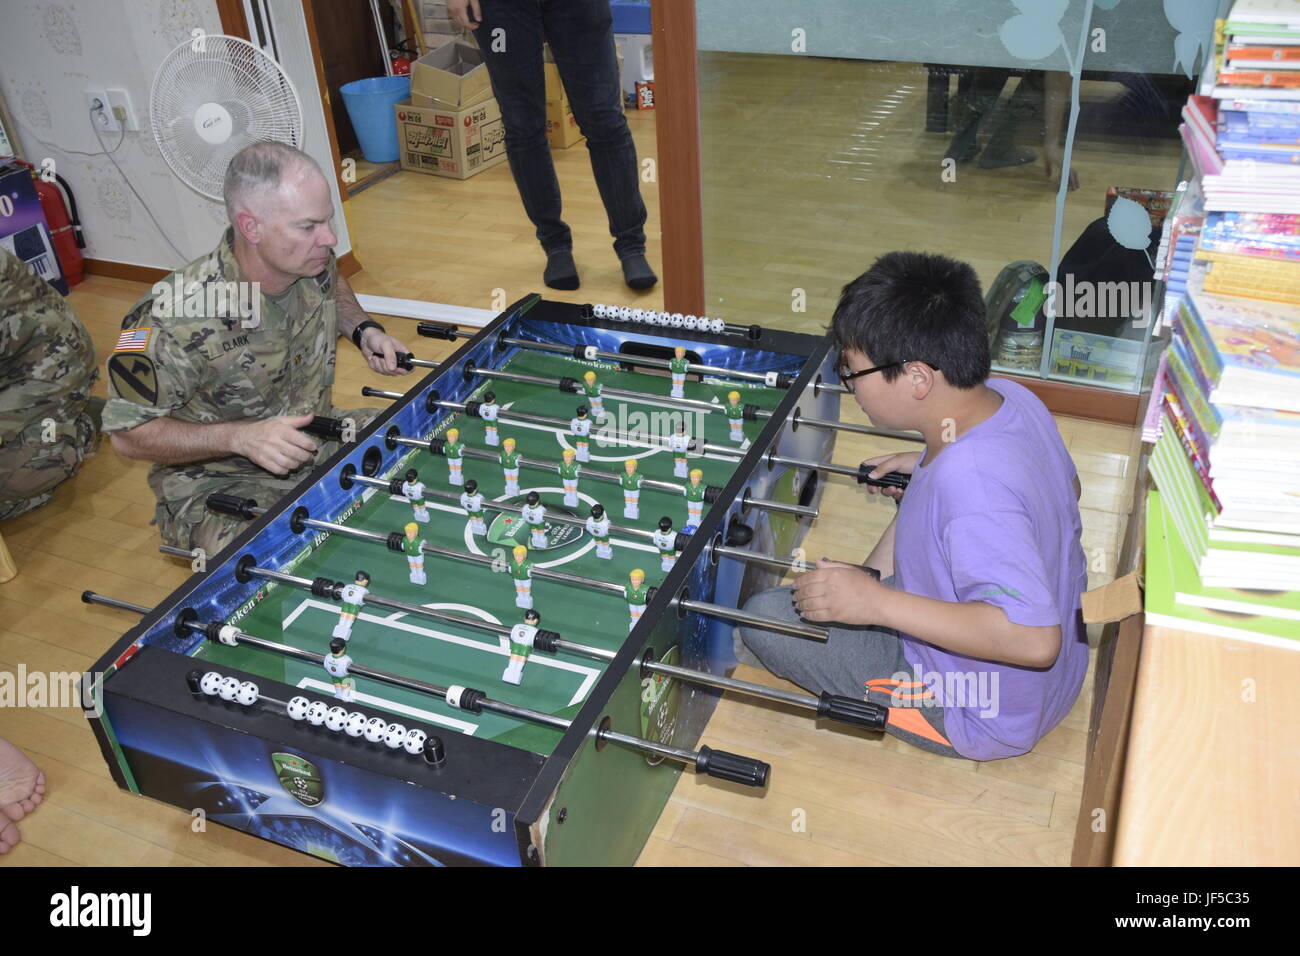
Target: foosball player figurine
{"points": [[637, 593], [735, 413], [665, 540], [534, 514], [413, 491], [509, 459], [580, 428], [454, 449], [568, 470], [351, 599], [336, 664], [694, 491], [487, 411], [414, 550], [631, 482], [679, 443], [591, 388], [521, 645], [677, 366], [521, 569], [472, 502], [598, 528]]}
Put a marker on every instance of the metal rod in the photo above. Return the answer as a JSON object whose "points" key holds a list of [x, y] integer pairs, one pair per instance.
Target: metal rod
{"points": [[544, 465], [857, 429], [754, 620], [756, 557], [767, 504], [829, 387], [369, 392], [91, 597], [593, 353], [806, 701], [645, 397], [814, 465], [175, 552], [504, 506]]}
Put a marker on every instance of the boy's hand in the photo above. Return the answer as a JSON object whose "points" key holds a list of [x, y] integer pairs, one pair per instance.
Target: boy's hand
{"points": [[460, 11], [904, 462], [839, 592]]}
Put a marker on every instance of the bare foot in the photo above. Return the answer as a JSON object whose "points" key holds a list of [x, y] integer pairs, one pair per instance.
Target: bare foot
{"points": [[22, 788]]}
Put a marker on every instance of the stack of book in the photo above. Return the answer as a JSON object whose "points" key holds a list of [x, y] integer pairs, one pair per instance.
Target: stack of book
{"points": [[1224, 529]]}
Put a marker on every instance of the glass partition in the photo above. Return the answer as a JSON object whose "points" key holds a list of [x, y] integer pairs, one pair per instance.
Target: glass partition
{"points": [[836, 131]]}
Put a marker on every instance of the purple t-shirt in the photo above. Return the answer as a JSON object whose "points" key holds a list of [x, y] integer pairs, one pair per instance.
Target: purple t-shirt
{"points": [[995, 519]]}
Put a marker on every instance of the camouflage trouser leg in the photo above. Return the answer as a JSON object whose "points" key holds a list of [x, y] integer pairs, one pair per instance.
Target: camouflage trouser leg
{"points": [[187, 523], [32, 467]]}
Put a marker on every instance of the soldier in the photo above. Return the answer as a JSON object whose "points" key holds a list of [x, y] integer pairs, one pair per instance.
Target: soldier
{"points": [[47, 368], [223, 362]]}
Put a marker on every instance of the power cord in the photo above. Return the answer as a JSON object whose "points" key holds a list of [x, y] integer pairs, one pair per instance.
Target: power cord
{"points": [[162, 232]]}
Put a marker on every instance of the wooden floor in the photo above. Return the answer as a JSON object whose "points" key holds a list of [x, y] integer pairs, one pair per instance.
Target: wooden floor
{"points": [[835, 798]]}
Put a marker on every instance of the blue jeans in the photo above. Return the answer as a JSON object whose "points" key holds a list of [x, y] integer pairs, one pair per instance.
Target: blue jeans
{"points": [[581, 34]]}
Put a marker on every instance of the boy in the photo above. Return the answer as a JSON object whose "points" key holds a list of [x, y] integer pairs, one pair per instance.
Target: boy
{"points": [[978, 647]]}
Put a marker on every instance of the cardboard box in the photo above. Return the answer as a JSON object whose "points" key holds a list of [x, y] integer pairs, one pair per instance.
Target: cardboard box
{"points": [[452, 76], [447, 142]]}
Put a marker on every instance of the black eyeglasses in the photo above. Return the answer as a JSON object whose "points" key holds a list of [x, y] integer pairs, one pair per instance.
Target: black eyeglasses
{"points": [[846, 376]]}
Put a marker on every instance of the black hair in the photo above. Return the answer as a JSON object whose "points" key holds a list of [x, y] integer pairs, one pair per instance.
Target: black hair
{"points": [[916, 307], [597, 511], [489, 397], [533, 614], [471, 486], [583, 410], [412, 474], [337, 645], [533, 498], [361, 574], [665, 523]]}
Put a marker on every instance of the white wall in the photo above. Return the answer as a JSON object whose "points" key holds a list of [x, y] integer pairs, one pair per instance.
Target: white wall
{"points": [[50, 52]]}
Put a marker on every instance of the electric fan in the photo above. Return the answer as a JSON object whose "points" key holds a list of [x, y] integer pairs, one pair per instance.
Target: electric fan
{"points": [[211, 97]]}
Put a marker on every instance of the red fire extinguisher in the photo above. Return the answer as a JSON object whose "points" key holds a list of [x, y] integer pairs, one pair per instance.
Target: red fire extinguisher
{"points": [[65, 229]]}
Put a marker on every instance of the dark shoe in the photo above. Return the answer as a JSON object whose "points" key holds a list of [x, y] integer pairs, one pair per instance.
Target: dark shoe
{"points": [[638, 274], [561, 272]]}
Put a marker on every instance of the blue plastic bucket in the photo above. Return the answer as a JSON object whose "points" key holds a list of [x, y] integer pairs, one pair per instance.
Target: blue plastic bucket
{"points": [[370, 105]]}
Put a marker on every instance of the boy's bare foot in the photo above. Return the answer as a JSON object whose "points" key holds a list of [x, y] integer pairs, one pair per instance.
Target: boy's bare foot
{"points": [[22, 788]]}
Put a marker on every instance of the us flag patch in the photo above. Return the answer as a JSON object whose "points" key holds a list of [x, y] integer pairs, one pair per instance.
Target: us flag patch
{"points": [[133, 340]]}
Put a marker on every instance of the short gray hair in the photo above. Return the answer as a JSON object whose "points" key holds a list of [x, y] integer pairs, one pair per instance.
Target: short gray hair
{"points": [[259, 168]]}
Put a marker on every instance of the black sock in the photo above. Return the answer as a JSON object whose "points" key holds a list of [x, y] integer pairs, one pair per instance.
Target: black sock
{"points": [[637, 273], [561, 271]]}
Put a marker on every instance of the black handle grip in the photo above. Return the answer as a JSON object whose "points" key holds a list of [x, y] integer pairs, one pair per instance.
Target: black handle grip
{"points": [[438, 330], [369, 392], [231, 505], [323, 427], [893, 479], [733, 767], [860, 713], [403, 359]]}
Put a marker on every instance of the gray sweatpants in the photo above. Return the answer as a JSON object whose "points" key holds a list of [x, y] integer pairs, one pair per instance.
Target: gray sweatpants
{"points": [[865, 663]]}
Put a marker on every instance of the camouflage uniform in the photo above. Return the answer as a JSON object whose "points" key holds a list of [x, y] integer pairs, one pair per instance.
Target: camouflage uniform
{"points": [[47, 369], [218, 366]]}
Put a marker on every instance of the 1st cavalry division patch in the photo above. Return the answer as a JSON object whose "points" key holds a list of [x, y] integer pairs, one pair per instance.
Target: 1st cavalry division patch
{"points": [[135, 378]]}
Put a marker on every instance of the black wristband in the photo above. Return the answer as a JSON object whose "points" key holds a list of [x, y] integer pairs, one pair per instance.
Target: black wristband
{"points": [[361, 327]]}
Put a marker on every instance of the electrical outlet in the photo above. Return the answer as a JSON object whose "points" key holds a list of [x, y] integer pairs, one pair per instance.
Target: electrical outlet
{"points": [[101, 113], [120, 100]]}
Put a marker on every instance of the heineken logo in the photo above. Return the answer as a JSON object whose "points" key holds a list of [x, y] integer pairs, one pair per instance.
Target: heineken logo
{"points": [[509, 529], [300, 778]]}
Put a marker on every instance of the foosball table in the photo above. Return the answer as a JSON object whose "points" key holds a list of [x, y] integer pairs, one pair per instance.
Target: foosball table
{"points": [[492, 627]]}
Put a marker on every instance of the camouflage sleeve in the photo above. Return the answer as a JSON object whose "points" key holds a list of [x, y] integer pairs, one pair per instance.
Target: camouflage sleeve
{"points": [[150, 374]]}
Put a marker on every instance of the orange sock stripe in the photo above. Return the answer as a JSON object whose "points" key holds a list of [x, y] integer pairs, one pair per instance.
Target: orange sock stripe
{"points": [[911, 720]]}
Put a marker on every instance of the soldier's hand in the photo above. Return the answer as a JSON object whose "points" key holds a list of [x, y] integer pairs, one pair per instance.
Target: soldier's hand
{"points": [[459, 10], [381, 351], [276, 444]]}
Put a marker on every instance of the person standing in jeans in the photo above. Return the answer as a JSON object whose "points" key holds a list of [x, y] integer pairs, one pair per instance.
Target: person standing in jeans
{"points": [[581, 34]]}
